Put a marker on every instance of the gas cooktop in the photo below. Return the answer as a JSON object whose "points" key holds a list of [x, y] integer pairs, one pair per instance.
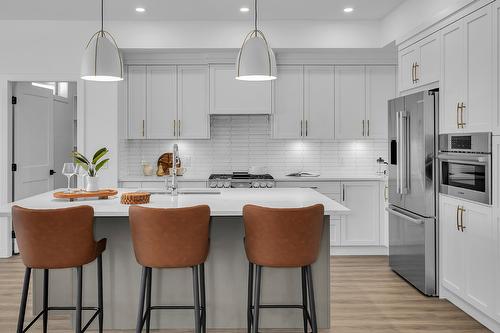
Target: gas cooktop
{"points": [[240, 180]]}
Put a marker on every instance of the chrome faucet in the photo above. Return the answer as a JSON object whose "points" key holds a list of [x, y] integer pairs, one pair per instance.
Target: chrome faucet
{"points": [[175, 159]]}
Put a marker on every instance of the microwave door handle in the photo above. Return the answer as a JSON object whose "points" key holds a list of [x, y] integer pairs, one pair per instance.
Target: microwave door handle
{"points": [[466, 160], [404, 216]]}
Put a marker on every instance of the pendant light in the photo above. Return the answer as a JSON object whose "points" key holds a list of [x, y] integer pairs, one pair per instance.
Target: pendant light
{"points": [[256, 60], [102, 60]]}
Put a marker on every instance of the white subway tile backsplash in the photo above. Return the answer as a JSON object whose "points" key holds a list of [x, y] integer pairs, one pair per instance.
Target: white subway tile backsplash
{"points": [[238, 142]]}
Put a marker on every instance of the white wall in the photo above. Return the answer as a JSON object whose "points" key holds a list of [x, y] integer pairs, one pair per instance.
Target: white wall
{"points": [[416, 15]]}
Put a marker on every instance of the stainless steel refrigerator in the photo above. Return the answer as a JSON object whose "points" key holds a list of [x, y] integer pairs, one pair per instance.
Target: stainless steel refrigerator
{"points": [[413, 188]]}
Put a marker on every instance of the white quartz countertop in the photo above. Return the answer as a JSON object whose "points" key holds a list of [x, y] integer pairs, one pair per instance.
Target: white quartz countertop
{"points": [[278, 178], [229, 202]]}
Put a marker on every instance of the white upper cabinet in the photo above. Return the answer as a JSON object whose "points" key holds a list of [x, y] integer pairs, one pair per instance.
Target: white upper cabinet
{"points": [[419, 64], [231, 96], [380, 88], [361, 95], [468, 257], [288, 113], [193, 95], [136, 106], [350, 102], [161, 102], [168, 102], [319, 102], [467, 75], [362, 226]]}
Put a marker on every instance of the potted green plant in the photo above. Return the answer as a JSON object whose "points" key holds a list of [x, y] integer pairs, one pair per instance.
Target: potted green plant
{"points": [[92, 167]]}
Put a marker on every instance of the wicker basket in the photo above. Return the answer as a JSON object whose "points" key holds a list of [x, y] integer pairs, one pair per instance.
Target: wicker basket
{"points": [[135, 198]]}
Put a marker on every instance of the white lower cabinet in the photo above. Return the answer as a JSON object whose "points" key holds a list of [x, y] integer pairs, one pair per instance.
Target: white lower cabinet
{"points": [[361, 227], [468, 252]]}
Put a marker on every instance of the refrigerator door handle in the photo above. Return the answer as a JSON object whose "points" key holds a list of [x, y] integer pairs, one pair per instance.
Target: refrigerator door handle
{"points": [[404, 216], [403, 128], [398, 153]]}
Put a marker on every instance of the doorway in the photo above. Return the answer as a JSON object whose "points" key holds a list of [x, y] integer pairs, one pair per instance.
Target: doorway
{"points": [[43, 136]]}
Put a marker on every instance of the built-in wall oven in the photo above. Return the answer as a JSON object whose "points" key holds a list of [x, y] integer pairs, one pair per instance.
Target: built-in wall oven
{"points": [[465, 166]]}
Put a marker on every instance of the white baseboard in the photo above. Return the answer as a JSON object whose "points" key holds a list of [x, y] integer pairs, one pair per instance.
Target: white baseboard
{"points": [[469, 309], [359, 251]]}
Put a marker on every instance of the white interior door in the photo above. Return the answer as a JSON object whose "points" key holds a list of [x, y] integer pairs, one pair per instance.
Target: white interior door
{"points": [[33, 140]]}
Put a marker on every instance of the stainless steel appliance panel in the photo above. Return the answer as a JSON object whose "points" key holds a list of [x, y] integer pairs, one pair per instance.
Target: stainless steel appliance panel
{"points": [[395, 106], [412, 248]]}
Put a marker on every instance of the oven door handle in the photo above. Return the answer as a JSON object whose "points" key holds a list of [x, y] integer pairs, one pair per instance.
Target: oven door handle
{"points": [[483, 159]]}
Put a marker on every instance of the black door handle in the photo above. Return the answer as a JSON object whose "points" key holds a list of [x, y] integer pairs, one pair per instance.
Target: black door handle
{"points": [[51, 172]]}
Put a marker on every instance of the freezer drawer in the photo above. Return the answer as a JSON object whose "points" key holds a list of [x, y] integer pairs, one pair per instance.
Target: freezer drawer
{"points": [[412, 250]]}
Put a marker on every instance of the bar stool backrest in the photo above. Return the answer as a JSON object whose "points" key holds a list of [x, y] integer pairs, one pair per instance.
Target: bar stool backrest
{"points": [[170, 237], [283, 237], [55, 238]]}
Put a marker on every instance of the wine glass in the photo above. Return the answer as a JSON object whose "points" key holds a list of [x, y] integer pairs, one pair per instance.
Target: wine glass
{"points": [[80, 173], [69, 169]]}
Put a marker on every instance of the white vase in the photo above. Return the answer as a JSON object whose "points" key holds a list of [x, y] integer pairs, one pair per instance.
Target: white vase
{"points": [[92, 184]]}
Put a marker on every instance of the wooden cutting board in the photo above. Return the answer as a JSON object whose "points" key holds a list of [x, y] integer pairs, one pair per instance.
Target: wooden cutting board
{"points": [[101, 194]]}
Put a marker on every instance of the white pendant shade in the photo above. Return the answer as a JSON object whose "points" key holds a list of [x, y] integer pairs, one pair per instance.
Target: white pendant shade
{"points": [[102, 60], [256, 60]]}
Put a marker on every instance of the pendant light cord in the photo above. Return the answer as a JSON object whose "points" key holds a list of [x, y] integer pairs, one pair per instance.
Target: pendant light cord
{"points": [[102, 17], [255, 16]]}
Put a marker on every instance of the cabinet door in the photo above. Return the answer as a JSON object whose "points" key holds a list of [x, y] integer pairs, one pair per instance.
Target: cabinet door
{"points": [[478, 70], [319, 102], [452, 77], [407, 58], [380, 87], [350, 105], [428, 69], [496, 58], [231, 96], [193, 118], [162, 102], [288, 108], [136, 92], [361, 226], [479, 256], [452, 264]]}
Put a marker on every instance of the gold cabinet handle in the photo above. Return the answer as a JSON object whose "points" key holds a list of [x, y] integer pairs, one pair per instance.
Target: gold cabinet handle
{"points": [[143, 128], [174, 127], [458, 115], [307, 128], [413, 73], [462, 107], [458, 224], [179, 127], [368, 126], [386, 193], [416, 76], [462, 226], [363, 127], [301, 123]]}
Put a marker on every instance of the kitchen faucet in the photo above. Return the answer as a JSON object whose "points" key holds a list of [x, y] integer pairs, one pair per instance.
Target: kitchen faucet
{"points": [[175, 159]]}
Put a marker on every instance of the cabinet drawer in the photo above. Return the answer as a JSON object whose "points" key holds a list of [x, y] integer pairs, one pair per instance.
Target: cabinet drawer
{"points": [[322, 187]]}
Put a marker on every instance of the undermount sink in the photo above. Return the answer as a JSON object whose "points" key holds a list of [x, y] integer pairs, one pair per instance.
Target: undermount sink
{"points": [[181, 191]]}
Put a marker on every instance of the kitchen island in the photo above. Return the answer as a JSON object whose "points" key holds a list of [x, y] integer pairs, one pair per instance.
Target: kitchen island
{"points": [[226, 267]]}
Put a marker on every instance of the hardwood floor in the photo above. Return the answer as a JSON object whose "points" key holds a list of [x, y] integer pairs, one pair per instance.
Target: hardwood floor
{"points": [[366, 297]]}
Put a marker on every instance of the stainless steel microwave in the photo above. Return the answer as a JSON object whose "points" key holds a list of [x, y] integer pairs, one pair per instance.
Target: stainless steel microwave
{"points": [[465, 166]]}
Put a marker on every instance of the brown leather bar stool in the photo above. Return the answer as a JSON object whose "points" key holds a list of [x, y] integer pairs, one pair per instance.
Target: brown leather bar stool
{"points": [[53, 239], [171, 238], [282, 237]]}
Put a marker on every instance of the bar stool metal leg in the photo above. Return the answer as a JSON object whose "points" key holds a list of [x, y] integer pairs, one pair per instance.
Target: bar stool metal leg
{"points": [[100, 293], [24, 298], [196, 293], [142, 293], [258, 276], [314, 324], [78, 320], [249, 297], [45, 299], [148, 298], [203, 299], [304, 299]]}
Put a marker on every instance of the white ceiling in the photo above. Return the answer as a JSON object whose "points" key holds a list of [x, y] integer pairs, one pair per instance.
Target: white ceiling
{"points": [[195, 9]]}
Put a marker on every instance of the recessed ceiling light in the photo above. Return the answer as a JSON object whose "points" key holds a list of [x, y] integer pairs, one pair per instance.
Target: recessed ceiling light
{"points": [[140, 10], [348, 9], [244, 9]]}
